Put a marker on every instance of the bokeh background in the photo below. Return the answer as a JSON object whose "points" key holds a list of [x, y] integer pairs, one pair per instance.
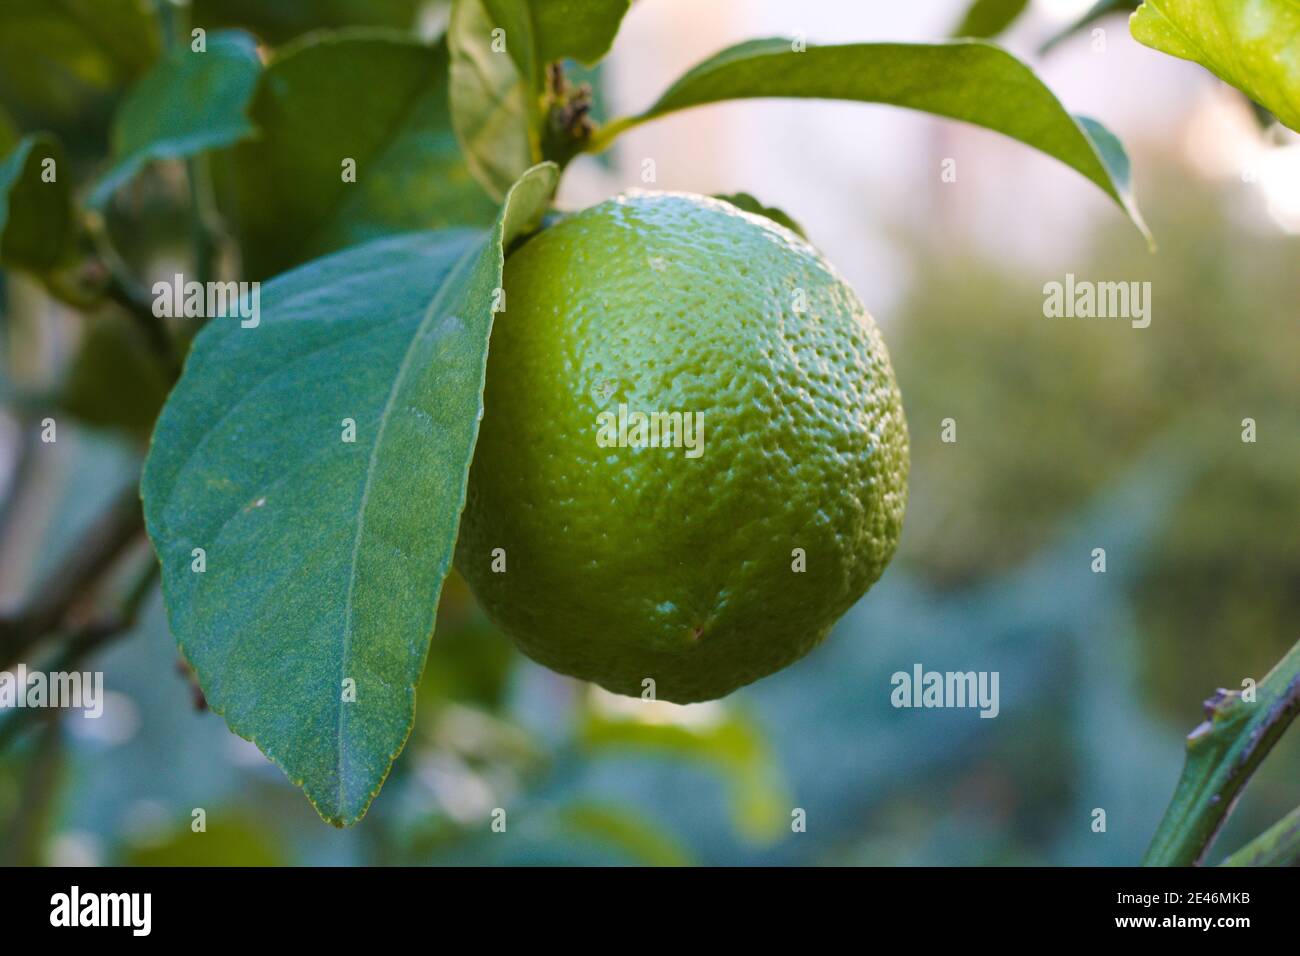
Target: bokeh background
{"points": [[1072, 435]]}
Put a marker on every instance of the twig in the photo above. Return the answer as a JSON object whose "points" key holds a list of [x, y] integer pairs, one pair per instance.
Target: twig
{"points": [[123, 288], [89, 638], [1279, 845], [94, 554], [203, 218], [18, 474], [1222, 753]]}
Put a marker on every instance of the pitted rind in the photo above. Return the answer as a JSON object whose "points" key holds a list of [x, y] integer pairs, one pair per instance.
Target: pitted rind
{"points": [[628, 563]]}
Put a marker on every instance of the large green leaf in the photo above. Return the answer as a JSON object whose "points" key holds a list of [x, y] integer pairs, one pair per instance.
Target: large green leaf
{"points": [[36, 223], [63, 63], [189, 102], [375, 97], [1252, 44], [325, 558], [498, 85], [967, 80]]}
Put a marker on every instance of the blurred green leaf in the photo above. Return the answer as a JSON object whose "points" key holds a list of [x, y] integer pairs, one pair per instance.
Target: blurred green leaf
{"points": [[62, 64], [391, 336], [581, 30], [373, 97], [9, 134], [632, 833], [988, 18], [228, 840], [1253, 46], [492, 108], [749, 204], [283, 20], [969, 80], [115, 380], [36, 222], [732, 745], [471, 660], [1094, 13], [189, 102], [498, 90]]}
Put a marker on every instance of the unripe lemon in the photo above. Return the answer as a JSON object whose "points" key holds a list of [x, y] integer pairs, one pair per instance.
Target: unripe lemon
{"points": [[717, 538]]}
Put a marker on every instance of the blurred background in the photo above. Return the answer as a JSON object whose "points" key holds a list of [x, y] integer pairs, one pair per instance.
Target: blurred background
{"points": [[1071, 435]]}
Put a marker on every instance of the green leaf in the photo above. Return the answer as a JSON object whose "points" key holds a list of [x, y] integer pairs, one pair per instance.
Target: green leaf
{"points": [[1097, 11], [499, 52], [325, 558], [581, 30], [988, 18], [492, 109], [733, 745], [63, 64], [285, 19], [538, 32], [36, 223], [1255, 46], [375, 97], [232, 838], [115, 380], [966, 80], [638, 837], [750, 204], [188, 103]]}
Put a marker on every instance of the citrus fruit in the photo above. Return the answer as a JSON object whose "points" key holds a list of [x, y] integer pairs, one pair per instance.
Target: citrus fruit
{"points": [[692, 458]]}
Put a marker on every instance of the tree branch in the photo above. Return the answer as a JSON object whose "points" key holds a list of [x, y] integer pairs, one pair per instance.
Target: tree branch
{"points": [[95, 553], [87, 639], [1222, 753]]}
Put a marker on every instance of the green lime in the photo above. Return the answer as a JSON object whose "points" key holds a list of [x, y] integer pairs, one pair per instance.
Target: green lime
{"points": [[693, 457]]}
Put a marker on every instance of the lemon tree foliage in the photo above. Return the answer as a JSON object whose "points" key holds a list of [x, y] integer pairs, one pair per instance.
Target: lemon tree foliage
{"points": [[63, 64], [306, 479], [323, 557], [36, 218], [1254, 46], [500, 50], [972, 81], [191, 101], [334, 163]]}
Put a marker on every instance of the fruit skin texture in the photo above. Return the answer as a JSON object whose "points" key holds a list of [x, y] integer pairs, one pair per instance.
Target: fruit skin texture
{"points": [[627, 563]]}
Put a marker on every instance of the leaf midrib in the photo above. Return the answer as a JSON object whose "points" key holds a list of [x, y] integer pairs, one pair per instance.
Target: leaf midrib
{"points": [[434, 306]]}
